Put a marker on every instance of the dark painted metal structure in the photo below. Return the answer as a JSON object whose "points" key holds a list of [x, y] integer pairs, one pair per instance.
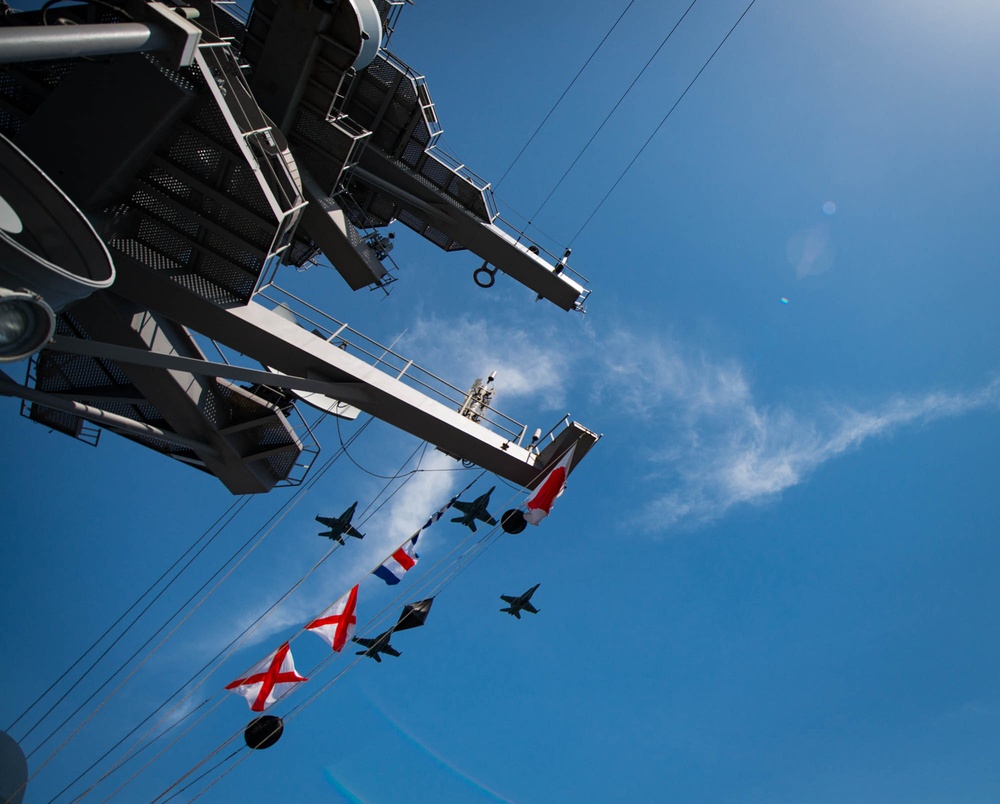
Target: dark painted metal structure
{"points": [[207, 147]]}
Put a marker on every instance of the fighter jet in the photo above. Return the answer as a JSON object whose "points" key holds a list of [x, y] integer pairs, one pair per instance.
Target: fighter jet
{"points": [[414, 615], [377, 645], [471, 511], [340, 525], [520, 603]]}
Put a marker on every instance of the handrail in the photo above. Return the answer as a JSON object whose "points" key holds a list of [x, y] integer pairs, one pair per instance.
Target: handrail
{"points": [[386, 360]]}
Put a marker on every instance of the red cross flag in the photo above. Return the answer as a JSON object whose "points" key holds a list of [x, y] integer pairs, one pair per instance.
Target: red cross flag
{"points": [[335, 625], [539, 503], [268, 680]]}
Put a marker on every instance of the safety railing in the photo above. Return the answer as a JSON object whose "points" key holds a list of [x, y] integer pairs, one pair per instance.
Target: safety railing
{"points": [[386, 360]]}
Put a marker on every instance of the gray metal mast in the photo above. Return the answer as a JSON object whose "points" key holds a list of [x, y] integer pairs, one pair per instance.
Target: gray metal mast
{"points": [[158, 162]]}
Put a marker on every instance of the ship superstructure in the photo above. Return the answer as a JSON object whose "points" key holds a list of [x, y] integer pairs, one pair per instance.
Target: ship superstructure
{"points": [[163, 162]]}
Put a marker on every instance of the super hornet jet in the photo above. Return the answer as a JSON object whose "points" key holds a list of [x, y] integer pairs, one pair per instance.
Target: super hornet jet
{"points": [[520, 603], [340, 525], [471, 511], [377, 645]]}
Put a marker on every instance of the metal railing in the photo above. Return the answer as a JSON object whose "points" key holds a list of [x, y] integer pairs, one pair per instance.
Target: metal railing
{"points": [[87, 432], [386, 360], [237, 9], [310, 448]]}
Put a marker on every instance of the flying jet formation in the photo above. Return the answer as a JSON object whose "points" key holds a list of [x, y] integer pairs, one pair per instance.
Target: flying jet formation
{"points": [[471, 511], [520, 603], [340, 525], [376, 645]]}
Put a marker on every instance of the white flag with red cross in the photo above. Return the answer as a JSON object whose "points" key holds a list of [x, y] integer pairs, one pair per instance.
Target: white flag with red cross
{"points": [[268, 680], [336, 624]]}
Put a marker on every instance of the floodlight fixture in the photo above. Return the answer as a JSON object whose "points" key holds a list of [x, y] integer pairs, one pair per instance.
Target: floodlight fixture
{"points": [[26, 324]]}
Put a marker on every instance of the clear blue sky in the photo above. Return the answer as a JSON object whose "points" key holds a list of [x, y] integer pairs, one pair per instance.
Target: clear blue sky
{"points": [[772, 580]]}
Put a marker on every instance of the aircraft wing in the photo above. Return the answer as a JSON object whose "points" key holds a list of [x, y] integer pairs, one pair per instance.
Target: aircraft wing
{"points": [[487, 518], [367, 643], [508, 599], [391, 651], [526, 606], [329, 521], [350, 530], [464, 507]]}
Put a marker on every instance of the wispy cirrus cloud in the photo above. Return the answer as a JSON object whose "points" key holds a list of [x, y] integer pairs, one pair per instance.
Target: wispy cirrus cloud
{"points": [[464, 348], [709, 441], [392, 518], [715, 446]]}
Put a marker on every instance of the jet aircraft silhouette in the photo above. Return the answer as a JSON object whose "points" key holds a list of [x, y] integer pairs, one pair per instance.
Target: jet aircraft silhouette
{"points": [[340, 525], [520, 603], [376, 645], [471, 511]]}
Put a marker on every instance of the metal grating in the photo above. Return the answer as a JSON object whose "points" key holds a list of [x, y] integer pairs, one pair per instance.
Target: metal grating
{"points": [[144, 254], [55, 372], [436, 236], [227, 25], [183, 80], [208, 289], [226, 275], [412, 154], [169, 182], [301, 251], [177, 220], [239, 223], [243, 257], [165, 240], [437, 174], [22, 92], [243, 185], [195, 156], [421, 133]]}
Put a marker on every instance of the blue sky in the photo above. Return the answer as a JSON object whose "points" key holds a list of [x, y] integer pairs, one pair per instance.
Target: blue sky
{"points": [[772, 580]]}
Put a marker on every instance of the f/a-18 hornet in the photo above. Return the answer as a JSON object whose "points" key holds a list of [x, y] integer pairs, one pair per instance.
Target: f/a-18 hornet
{"points": [[340, 525], [471, 511], [520, 603], [376, 645]]}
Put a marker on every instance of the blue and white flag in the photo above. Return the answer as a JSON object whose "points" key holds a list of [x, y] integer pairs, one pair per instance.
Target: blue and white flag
{"points": [[395, 566]]}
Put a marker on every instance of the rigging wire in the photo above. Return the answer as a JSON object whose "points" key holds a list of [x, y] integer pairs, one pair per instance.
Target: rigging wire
{"points": [[111, 627], [249, 630], [275, 519], [373, 621], [565, 91], [358, 465], [137, 652], [447, 575], [239, 638], [318, 668], [135, 775], [613, 110], [241, 505], [135, 728], [670, 111], [202, 776]]}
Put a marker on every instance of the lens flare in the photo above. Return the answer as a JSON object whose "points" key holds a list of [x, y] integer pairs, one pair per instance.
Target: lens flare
{"points": [[439, 760]]}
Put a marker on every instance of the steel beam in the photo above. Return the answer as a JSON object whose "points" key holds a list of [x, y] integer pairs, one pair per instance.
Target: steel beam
{"points": [[481, 238], [286, 347]]}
